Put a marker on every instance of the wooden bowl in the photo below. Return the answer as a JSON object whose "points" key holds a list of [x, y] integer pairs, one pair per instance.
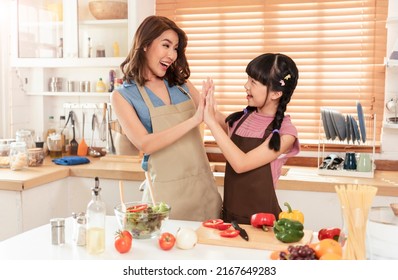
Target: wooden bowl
{"points": [[108, 9]]}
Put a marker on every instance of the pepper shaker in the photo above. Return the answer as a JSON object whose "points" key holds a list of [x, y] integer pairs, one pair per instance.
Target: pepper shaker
{"points": [[57, 231]]}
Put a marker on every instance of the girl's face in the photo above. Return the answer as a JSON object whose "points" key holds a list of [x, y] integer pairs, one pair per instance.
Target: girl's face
{"points": [[161, 53], [256, 93]]}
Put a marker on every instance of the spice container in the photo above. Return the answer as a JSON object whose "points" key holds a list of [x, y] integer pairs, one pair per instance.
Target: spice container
{"points": [[24, 135], [57, 231], [35, 157], [79, 229], [4, 155], [18, 155]]}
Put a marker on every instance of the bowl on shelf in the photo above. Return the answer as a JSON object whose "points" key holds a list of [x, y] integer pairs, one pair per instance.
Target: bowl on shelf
{"points": [[142, 220], [108, 9]]}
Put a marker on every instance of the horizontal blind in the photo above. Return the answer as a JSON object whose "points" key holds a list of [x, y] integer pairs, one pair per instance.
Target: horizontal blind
{"points": [[338, 46]]}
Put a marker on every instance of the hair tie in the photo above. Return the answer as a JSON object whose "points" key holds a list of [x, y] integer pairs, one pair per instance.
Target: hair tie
{"points": [[245, 111], [275, 131]]}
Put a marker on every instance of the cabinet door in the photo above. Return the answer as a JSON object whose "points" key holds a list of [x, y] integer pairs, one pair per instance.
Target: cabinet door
{"points": [[40, 28]]}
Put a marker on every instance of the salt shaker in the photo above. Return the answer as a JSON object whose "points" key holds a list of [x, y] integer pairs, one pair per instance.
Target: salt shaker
{"points": [[57, 231], [79, 229]]}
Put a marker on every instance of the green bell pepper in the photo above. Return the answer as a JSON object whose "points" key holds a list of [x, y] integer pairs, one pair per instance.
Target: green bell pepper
{"points": [[288, 231]]}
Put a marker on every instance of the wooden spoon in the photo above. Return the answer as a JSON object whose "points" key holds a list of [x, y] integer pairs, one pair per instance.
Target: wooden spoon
{"points": [[123, 207]]}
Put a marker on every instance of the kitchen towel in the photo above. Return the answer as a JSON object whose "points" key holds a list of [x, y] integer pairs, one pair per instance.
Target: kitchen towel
{"points": [[71, 160]]}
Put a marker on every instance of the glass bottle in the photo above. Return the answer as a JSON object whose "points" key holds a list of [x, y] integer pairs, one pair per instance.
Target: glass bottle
{"points": [[96, 211], [60, 51], [24, 135], [100, 87]]}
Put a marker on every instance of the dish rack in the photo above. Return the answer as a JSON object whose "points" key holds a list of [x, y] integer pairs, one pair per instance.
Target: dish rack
{"points": [[340, 147]]}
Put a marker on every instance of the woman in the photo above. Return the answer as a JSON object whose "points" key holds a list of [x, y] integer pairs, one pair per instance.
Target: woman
{"points": [[160, 111], [261, 139]]}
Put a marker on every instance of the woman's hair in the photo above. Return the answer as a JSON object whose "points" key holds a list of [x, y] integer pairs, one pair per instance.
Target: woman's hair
{"points": [[277, 72], [150, 29]]}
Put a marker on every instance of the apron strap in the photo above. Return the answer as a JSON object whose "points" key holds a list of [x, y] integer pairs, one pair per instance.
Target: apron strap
{"points": [[145, 96]]}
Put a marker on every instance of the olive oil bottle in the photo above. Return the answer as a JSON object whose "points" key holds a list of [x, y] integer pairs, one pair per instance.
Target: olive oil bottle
{"points": [[95, 231]]}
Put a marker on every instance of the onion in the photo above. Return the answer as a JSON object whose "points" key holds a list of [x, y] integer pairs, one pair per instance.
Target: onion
{"points": [[186, 238]]}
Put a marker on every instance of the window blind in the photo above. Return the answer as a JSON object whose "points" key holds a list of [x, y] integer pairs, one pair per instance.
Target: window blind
{"points": [[338, 45]]}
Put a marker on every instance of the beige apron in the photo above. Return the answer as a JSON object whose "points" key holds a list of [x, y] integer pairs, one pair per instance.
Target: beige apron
{"points": [[180, 173]]}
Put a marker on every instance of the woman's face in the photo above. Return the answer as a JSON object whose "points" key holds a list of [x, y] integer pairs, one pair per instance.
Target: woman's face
{"points": [[161, 53]]}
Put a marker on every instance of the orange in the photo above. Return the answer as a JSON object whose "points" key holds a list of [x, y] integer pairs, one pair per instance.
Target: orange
{"points": [[326, 246], [275, 254], [331, 256]]}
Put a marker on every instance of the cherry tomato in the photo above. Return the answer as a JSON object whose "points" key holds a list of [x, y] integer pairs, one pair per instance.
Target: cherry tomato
{"points": [[137, 208], [212, 223], [229, 233], [167, 241], [223, 226], [123, 241]]}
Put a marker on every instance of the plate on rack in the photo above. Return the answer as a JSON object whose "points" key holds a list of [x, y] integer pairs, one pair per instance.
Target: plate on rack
{"points": [[330, 125], [348, 128], [339, 124], [355, 129], [361, 120], [325, 125]]}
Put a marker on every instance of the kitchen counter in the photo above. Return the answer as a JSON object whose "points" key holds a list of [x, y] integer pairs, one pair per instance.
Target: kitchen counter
{"points": [[36, 244], [129, 168]]}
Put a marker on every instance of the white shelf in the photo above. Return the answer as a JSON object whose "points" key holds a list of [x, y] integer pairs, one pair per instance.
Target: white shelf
{"points": [[390, 125], [66, 93], [67, 62], [346, 173]]}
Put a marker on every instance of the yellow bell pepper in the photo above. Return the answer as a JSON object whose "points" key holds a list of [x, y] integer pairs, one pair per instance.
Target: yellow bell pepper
{"points": [[292, 214]]}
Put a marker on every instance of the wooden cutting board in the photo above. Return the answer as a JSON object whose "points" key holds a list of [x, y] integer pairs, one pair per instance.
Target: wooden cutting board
{"points": [[258, 239]]}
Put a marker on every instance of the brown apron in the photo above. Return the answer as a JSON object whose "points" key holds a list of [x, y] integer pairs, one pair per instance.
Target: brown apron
{"points": [[251, 192], [180, 173]]}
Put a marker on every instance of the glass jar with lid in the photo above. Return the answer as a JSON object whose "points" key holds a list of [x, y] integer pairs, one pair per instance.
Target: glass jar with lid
{"points": [[4, 155], [18, 155], [24, 135]]}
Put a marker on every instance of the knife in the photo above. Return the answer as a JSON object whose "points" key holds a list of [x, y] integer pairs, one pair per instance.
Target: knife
{"points": [[242, 232]]}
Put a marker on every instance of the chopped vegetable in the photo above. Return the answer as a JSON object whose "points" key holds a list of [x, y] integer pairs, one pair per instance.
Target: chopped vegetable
{"points": [[262, 220]]}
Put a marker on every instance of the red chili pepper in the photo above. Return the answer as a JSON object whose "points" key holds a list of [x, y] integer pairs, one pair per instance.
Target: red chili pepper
{"points": [[329, 233], [262, 220]]}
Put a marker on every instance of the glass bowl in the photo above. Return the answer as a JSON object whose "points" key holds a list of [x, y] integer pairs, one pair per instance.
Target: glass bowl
{"points": [[142, 220]]}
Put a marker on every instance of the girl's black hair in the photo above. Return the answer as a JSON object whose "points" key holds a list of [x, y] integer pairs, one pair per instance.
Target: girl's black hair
{"points": [[277, 72]]}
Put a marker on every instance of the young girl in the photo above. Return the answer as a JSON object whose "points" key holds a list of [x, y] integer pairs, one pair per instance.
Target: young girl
{"points": [[261, 138], [160, 112]]}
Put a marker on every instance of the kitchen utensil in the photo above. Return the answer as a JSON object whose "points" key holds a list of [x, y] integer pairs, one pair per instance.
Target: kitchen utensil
{"points": [[259, 239], [92, 152], [242, 232], [82, 148], [73, 143], [102, 129], [112, 148], [123, 207], [350, 162], [149, 185]]}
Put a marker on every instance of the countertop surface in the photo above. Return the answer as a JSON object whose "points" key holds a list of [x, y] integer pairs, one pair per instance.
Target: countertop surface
{"points": [[36, 244], [129, 168]]}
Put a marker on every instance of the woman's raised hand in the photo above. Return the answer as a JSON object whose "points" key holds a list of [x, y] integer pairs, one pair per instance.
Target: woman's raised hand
{"points": [[210, 104]]}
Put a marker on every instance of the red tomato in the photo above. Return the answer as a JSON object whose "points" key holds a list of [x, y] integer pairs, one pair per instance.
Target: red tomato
{"points": [[123, 241], [167, 241], [137, 208], [223, 226], [229, 233], [212, 223]]}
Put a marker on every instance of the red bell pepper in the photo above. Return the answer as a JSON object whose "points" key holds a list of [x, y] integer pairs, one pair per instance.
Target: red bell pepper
{"points": [[262, 220], [329, 233]]}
